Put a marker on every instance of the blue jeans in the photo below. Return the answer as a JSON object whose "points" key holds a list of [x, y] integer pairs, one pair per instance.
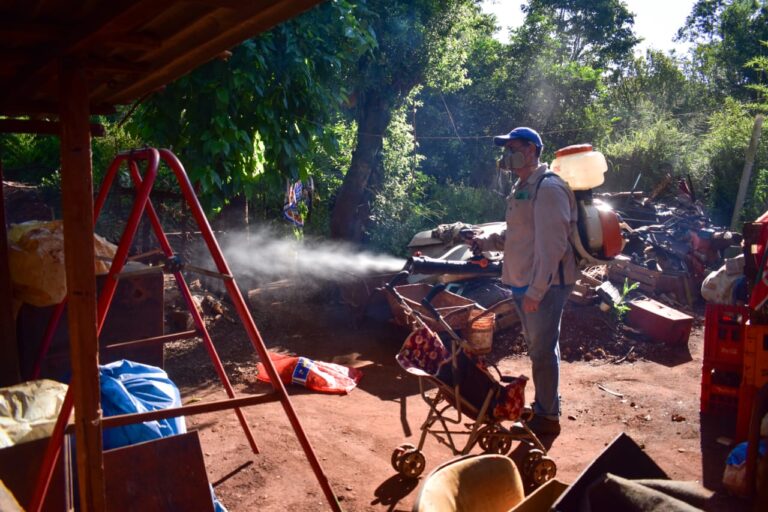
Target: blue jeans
{"points": [[542, 333]]}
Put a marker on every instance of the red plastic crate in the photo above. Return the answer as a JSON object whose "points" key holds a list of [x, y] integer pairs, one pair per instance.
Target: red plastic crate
{"points": [[744, 413], [755, 375], [720, 386], [755, 366], [724, 331]]}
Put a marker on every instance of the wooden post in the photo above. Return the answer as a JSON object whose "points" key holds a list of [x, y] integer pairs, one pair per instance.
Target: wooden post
{"points": [[77, 210], [747, 171], [9, 351]]}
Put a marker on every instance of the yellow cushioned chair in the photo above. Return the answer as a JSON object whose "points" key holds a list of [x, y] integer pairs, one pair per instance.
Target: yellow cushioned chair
{"points": [[485, 482]]}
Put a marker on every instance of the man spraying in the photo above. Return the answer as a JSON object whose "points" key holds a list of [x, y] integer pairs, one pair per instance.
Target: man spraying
{"points": [[539, 264]]}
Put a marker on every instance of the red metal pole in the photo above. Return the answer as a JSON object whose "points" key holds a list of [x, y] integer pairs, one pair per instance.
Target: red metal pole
{"points": [[199, 322], [106, 184], [250, 326], [52, 451], [121, 255]]}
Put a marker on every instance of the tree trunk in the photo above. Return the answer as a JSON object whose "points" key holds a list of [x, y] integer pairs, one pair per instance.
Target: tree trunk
{"points": [[350, 213]]}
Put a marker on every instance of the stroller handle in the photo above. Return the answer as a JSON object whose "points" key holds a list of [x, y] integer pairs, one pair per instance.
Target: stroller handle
{"points": [[427, 301], [400, 276]]}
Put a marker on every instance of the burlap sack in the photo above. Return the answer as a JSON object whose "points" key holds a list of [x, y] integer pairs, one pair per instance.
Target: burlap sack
{"points": [[36, 260]]}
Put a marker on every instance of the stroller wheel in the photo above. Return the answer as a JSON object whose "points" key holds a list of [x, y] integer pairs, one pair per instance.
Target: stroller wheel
{"points": [[493, 440], [397, 452], [544, 471], [499, 444], [532, 460], [411, 463]]}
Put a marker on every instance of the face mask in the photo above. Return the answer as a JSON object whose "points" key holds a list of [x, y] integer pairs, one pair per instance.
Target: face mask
{"points": [[512, 159]]}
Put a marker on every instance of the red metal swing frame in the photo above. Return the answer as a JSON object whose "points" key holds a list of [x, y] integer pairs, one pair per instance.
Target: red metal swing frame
{"points": [[142, 204]]}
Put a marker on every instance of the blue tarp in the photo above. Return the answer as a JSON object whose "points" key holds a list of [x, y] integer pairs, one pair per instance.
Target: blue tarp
{"points": [[128, 387]]}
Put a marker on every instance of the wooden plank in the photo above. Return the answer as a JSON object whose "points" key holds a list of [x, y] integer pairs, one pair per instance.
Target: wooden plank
{"points": [[9, 351], [105, 65], [42, 127], [77, 213], [23, 107], [21, 31], [163, 474], [135, 41]]}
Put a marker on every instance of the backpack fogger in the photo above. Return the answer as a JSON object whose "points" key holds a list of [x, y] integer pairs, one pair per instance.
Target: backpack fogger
{"points": [[597, 238]]}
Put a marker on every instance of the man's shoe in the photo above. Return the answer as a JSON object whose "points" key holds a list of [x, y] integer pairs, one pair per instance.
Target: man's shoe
{"points": [[542, 426]]}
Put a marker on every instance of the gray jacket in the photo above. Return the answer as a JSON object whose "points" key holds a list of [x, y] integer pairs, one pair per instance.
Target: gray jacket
{"points": [[536, 239]]}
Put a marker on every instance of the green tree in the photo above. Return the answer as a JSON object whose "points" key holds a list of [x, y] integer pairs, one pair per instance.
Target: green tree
{"points": [[727, 34], [425, 42], [247, 124], [656, 145], [760, 65], [527, 82], [659, 80], [595, 32], [722, 152]]}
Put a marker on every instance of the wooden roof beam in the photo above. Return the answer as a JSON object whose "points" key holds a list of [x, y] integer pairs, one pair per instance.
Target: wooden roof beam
{"points": [[113, 66], [22, 31], [42, 127], [31, 107], [254, 19], [135, 41], [113, 17], [224, 4]]}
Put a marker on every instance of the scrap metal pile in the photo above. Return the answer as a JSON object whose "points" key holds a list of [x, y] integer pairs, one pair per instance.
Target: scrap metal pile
{"points": [[671, 246]]}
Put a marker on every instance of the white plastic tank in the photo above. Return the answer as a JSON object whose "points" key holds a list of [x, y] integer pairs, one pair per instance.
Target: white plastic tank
{"points": [[580, 166]]}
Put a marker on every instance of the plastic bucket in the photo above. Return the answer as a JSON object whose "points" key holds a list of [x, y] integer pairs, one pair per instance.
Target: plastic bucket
{"points": [[479, 333]]}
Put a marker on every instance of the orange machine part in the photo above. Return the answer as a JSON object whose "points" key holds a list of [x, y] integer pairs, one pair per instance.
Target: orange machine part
{"points": [[612, 239]]}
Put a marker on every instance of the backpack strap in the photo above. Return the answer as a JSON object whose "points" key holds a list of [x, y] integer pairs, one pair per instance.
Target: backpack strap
{"points": [[542, 178], [547, 174]]}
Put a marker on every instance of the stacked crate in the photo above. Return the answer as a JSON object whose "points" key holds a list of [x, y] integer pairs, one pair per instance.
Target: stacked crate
{"points": [[735, 363], [754, 374], [722, 370]]}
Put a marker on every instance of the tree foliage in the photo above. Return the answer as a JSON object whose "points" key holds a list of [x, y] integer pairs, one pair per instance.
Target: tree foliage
{"points": [[723, 150], [594, 32], [421, 42], [252, 121], [728, 35]]}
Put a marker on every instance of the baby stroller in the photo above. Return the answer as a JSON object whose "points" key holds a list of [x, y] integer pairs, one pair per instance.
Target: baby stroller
{"points": [[467, 400]]}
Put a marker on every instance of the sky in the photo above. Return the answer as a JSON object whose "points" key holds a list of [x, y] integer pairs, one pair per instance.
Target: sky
{"points": [[656, 21]]}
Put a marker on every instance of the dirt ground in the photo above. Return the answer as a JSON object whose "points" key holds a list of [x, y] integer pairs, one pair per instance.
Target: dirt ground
{"points": [[612, 381]]}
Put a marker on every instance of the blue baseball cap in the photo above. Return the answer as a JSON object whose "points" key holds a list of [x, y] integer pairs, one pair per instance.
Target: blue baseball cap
{"points": [[522, 133]]}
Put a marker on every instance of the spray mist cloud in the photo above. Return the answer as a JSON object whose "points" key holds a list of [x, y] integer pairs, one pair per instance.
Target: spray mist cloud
{"points": [[265, 256]]}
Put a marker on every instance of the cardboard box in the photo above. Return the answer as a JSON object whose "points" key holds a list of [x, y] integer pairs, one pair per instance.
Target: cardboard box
{"points": [[542, 498]]}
